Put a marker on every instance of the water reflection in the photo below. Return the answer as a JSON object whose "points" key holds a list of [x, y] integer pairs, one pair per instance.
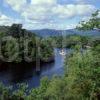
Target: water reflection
{"points": [[26, 72]]}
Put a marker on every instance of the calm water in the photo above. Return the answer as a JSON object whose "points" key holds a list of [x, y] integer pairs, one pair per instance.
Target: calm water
{"points": [[27, 73]]}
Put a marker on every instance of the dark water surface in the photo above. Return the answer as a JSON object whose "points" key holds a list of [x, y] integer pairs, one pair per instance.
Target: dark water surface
{"points": [[27, 73]]}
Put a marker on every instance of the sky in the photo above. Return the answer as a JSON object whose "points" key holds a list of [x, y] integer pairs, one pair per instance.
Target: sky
{"points": [[46, 14]]}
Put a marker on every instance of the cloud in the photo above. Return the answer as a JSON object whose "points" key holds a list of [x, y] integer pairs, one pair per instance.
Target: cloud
{"points": [[71, 10], [45, 9], [35, 13], [16, 5], [43, 2], [7, 21], [47, 12], [58, 12], [59, 26]]}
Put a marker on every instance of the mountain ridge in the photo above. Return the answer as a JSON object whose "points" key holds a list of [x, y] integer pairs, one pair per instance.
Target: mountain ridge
{"points": [[54, 32]]}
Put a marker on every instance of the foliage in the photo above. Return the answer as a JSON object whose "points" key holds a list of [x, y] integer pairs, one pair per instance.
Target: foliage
{"points": [[21, 45], [92, 23], [46, 51], [83, 75], [82, 72], [68, 41]]}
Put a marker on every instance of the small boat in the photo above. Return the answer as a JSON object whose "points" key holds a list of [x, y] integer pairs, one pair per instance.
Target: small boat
{"points": [[62, 52]]}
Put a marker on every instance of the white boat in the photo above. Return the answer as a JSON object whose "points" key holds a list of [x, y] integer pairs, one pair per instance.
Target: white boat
{"points": [[62, 52]]}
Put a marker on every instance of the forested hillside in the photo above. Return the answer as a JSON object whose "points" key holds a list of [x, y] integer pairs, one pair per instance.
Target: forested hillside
{"points": [[19, 45], [81, 80]]}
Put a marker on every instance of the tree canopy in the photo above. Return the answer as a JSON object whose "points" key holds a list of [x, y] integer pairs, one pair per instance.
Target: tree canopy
{"points": [[92, 23]]}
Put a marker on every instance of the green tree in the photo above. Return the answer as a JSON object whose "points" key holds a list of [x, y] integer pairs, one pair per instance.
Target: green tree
{"points": [[92, 23]]}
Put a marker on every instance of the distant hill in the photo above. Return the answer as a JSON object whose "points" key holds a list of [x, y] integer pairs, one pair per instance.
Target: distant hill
{"points": [[47, 32], [53, 32]]}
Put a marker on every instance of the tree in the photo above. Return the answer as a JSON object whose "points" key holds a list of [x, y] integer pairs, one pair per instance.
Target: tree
{"points": [[15, 30], [92, 23], [83, 68]]}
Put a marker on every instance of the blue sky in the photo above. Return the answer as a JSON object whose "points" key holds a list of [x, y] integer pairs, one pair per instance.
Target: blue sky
{"points": [[52, 14]]}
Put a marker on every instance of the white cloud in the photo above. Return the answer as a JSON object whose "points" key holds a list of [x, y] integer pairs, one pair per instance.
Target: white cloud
{"points": [[58, 12], [35, 12], [7, 21], [52, 25], [65, 11], [43, 12], [43, 2], [71, 10], [84, 9], [45, 9], [16, 4]]}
